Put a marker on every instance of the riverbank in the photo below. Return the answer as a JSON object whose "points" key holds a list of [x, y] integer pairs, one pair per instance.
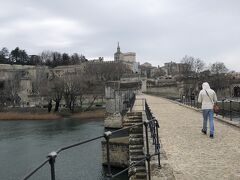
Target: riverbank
{"points": [[93, 114], [97, 113]]}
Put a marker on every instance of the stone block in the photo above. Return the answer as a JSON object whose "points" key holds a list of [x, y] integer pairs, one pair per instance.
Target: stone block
{"points": [[119, 154], [113, 121]]}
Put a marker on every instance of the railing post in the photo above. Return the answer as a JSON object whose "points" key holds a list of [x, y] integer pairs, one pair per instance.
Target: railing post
{"points": [[238, 107], [230, 110], [107, 136], [154, 131], [158, 144], [147, 144], [52, 156], [143, 104], [131, 102], [223, 108]]}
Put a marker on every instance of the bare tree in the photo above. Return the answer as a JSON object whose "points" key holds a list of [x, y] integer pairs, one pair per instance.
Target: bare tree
{"points": [[46, 57], [219, 80], [218, 68], [198, 65], [194, 65], [4, 55], [12, 88], [187, 69], [56, 91], [73, 84], [75, 59], [107, 71], [159, 73], [77, 85], [193, 68]]}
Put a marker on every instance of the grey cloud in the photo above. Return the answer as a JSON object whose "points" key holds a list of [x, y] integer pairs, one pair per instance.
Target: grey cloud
{"points": [[157, 30]]}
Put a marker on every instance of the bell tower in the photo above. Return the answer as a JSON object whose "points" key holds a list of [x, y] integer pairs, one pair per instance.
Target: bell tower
{"points": [[118, 48], [118, 54]]}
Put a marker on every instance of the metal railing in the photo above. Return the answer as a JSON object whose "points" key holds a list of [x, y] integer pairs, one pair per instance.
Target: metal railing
{"points": [[191, 101], [150, 124], [228, 108], [154, 126], [132, 101]]}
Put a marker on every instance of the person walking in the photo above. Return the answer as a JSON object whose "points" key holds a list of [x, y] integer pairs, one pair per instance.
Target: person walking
{"points": [[207, 97]]}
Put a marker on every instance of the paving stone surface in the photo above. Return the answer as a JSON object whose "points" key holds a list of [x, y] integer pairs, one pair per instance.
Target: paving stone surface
{"points": [[190, 154]]}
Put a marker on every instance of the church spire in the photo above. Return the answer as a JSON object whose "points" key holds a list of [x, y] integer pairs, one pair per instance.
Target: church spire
{"points": [[118, 48]]}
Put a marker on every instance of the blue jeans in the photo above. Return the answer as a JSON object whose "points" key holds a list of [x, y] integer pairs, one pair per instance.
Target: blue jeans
{"points": [[208, 114]]}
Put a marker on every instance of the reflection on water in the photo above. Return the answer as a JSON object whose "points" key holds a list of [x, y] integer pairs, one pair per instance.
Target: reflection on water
{"points": [[25, 144]]}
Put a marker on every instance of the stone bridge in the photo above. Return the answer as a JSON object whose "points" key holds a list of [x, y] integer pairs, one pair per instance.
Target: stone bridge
{"points": [[186, 153]]}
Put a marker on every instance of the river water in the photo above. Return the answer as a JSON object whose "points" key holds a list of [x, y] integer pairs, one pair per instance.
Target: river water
{"points": [[25, 144]]}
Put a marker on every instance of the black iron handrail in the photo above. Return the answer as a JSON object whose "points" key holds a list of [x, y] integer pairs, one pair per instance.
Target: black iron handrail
{"points": [[154, 126], [53, 155], [132, 101], [151, 122], [226, 106]]}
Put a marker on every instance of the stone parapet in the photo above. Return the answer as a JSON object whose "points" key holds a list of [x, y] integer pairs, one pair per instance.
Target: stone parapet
{"points": [[119, 152]]}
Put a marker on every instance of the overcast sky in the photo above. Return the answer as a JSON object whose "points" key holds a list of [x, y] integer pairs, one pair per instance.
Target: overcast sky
{"points": [[157, 30]]}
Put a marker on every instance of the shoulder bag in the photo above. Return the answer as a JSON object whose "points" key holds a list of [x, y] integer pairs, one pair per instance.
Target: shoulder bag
{"points": [[216, 108]]}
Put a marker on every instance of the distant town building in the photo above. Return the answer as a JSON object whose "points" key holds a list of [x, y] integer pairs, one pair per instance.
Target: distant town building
{"points": [[147, 70], [173, 68], [125, 57], [146, 64], [128, 58], [21, 80]]}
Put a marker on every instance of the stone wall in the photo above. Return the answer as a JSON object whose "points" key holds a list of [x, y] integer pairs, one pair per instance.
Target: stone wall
{"points": [[118, 95], [144, 84], [224, 93], [115, 105], [113, 121], [129, 57], [24, 75], [165, 91], [119, 153]]}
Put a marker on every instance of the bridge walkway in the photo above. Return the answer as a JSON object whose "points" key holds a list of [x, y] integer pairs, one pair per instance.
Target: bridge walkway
{"points": [[190, 154]]}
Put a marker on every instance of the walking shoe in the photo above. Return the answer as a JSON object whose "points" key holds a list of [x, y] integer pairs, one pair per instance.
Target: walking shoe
{"points": [[204, 131], [211, 136]]}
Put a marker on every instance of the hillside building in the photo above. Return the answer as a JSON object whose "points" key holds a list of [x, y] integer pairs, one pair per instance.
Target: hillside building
{"points": [[128, 58]]}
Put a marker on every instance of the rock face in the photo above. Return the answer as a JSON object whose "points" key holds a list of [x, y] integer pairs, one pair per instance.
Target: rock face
{"points": [[113, 121]]}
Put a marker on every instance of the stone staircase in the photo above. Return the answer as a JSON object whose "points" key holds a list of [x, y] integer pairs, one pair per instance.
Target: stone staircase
{"points": [[136, 146]]}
